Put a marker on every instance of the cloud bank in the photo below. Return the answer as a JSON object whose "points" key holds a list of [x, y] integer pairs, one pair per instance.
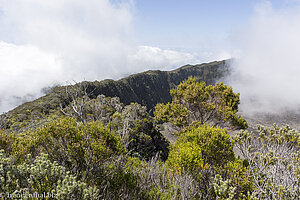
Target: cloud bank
{"points": [[48, 42], [267, 65]]}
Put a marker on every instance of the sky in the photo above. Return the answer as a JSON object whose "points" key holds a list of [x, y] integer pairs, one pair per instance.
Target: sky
{"points": [[193, 25], [45, 43], [189, 24]]}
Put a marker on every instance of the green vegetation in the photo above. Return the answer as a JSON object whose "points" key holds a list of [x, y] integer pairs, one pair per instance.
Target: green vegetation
{"points": [[147, 88], [215, 143], [273, 157], [98, 148], [194, 101], [43, 177]]}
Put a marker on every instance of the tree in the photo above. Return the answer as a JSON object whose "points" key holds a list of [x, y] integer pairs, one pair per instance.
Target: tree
{"points": [[194, 101], [75, 98]]}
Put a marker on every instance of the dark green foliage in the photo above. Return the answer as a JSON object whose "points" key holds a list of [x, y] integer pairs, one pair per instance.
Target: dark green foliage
{"points": [[139, 135], [146, 142], [152, 87]]}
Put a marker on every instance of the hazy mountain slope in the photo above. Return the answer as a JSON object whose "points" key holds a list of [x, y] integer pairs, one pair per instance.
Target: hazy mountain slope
{"points": [[147, 88]]}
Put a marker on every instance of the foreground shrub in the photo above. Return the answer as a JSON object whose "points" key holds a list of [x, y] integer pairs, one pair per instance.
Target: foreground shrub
{"points": [[186, 157], [7, 140], [204, 151], [78, 147], [274, 161], [214, 142], [41, 178], [130, 178]]}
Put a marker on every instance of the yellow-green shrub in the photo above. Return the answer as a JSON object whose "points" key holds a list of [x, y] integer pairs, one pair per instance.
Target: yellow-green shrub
{"points": [[185, 157], [215, 143], [239, 177], [78, 147]]}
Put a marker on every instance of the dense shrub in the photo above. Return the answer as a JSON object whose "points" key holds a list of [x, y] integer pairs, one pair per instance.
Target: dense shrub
{"points": [[274, 161], [186, 157], [78, 147], [146, 142], [42, 178], [214, 142], [206, 153], [194, 101], [132, 123]]}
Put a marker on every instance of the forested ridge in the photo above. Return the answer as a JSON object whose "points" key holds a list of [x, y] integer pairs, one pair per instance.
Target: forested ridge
{"points": [[103, 140]]}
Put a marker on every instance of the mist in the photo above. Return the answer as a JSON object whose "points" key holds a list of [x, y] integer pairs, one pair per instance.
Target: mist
{"points": [[266, 67], [43, 43]]}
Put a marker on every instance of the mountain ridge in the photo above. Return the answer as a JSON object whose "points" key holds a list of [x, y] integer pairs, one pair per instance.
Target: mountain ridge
{"points": [[208, 72], [146, 88], [151, 87]]}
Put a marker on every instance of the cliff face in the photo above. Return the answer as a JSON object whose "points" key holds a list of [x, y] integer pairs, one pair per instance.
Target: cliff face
{"points": [[152, 87]]}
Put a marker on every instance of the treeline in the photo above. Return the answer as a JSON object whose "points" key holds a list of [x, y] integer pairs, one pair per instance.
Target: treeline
{"points": [[101, 149]]}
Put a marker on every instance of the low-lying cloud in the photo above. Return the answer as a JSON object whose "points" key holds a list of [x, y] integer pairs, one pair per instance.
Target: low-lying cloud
{"points": [[48, 42], [24, 71], [267, 65]]}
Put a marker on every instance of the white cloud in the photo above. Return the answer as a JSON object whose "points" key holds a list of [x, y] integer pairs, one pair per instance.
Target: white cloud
{"points": [[156, 58], [24, 71], [267, 67], [44, 42]]}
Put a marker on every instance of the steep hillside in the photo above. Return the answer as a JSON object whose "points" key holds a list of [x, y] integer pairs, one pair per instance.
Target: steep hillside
{"points": [[147, 88], [151, 87]]}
